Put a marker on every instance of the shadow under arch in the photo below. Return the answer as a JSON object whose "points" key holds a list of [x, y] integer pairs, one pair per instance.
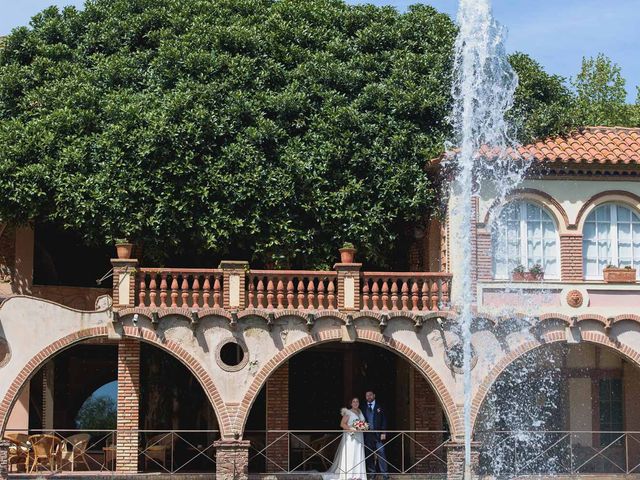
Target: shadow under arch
{"points": [[548, 338], [138, 333], [365, 336]]}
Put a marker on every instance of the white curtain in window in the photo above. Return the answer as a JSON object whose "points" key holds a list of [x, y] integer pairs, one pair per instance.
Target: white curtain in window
{"points": [[525, 234], [611, 235]]}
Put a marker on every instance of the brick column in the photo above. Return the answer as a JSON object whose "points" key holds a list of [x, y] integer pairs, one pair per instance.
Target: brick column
{"points": [[234, 275], [348, 286], [232, 459], [571, 257], [484, 256], [124, 282], [128, 406], [427, 417], [278, 419], [455, 460], [4, 458]]}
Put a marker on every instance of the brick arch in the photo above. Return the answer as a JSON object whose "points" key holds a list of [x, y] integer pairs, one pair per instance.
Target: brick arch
{"points": [[544, 200], [366, 336], [170, 347], [548, 338], [610, 196]]}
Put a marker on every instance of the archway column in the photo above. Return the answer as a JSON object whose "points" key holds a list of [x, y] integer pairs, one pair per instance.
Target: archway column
{"points": [[277, 416], [128, 406], [455, 459], [4, 459], [232, 459]]}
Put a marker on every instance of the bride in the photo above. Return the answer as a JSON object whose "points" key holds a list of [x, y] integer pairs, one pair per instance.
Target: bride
{"points": [[349, 463]]}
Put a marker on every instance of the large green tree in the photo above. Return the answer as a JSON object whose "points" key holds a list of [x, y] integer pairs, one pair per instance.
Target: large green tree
{"points": [[601, 94], [271, 130]]}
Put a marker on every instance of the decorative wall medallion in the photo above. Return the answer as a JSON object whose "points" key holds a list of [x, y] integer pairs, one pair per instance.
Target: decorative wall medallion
{"points": [[574, 298], [231, 355], [454, 357], [5, 352]]}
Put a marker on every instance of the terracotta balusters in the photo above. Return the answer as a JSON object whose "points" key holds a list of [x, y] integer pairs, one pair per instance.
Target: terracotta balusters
{"points": [[331, 296], [414, 296], [280, 294], [217, 291]]}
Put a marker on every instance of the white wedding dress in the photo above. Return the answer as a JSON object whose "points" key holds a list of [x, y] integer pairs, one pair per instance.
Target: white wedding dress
{"points": [[349, 463]]}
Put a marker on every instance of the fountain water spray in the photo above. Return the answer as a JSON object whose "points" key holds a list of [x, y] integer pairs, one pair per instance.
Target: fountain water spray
{"points": [[483, 146]]}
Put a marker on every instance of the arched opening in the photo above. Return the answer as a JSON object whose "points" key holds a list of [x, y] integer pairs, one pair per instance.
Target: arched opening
{"points": [[294, 422], [562, 409], [74, 399]]}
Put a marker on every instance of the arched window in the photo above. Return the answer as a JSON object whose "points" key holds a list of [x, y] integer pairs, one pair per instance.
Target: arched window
{"points": [[611, 236], [525, 234]]}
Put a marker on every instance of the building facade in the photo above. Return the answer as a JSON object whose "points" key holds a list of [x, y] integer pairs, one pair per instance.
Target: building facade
{"points": [[237, 371]]}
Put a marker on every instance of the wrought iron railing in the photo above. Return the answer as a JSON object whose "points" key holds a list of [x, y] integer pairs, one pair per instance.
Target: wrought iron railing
{"points": [[307, 452], [548, 453], [163, 451]]}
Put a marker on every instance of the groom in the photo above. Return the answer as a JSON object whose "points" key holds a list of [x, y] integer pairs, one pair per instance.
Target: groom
{"points": [[374, 442]]}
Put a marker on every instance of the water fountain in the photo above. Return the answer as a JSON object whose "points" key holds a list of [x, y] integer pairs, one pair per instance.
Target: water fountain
{"points": [[483, 146]]}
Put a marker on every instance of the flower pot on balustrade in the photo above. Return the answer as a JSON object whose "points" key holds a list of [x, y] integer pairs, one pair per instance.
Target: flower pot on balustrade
{"points": [[347, 255], [124, 249], [619, 275]]}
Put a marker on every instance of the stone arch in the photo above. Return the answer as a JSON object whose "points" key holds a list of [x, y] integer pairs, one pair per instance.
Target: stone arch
{"points": [[610, 196], [556, 336], [363, 335], [540, 198], [142, 334]]}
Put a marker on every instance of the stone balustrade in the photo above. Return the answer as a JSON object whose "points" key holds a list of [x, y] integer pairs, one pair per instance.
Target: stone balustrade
{"points": [[234, 286]]}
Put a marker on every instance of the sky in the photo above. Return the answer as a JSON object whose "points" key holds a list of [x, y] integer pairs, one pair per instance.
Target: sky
{"points": [[557, 33]]}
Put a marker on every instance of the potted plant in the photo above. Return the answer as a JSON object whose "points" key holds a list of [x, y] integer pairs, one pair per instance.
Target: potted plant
{"points": [[517, 274], [123, 248], [347, 253], [536, 273], [615, 274]]}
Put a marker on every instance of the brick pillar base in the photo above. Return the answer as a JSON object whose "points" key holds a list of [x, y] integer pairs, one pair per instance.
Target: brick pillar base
{"points": [[4, 459], [232, 459], [278, 419], [128, 406], [455, 460]]}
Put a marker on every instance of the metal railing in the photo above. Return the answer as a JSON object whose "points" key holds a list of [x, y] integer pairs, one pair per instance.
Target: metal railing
{"points": [[164, 451], [537, 452], [408, 452]]}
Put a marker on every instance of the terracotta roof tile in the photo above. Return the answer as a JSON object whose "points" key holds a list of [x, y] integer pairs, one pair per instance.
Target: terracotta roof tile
{"points": [[600, 145], [589, 145]]}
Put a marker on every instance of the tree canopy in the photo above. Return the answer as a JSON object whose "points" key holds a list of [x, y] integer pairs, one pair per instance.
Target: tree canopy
{"points": [[601, 94], [272, 130]]}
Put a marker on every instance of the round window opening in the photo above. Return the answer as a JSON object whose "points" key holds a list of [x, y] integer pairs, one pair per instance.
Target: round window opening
{"points": [[454, 357], [232, 356]]}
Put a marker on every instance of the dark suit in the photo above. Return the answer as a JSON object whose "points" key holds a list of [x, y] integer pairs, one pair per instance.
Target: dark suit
{"points": [[377, 420]]}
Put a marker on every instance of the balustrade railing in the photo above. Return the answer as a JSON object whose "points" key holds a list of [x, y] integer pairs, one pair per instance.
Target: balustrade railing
{"points": [[187, 288], [292, 289], [305, 290], [412, 291]]}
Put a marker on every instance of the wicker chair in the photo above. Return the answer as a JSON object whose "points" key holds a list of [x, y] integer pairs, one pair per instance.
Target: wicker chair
{"points": [[74, 449], [157, 448], [18, 451], [45, 451]]}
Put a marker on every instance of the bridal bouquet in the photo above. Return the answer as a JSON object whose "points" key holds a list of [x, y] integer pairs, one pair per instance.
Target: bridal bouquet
{"points": [[360, 425]]}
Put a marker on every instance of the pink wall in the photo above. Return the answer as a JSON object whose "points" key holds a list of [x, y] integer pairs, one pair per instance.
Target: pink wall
{"points": [[19, 417], [614, 298]]}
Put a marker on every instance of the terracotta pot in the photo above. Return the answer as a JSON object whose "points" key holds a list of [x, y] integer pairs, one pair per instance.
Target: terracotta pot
{"points": [[619, 275], [124, 250], [526, 277], [347, 255]]}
